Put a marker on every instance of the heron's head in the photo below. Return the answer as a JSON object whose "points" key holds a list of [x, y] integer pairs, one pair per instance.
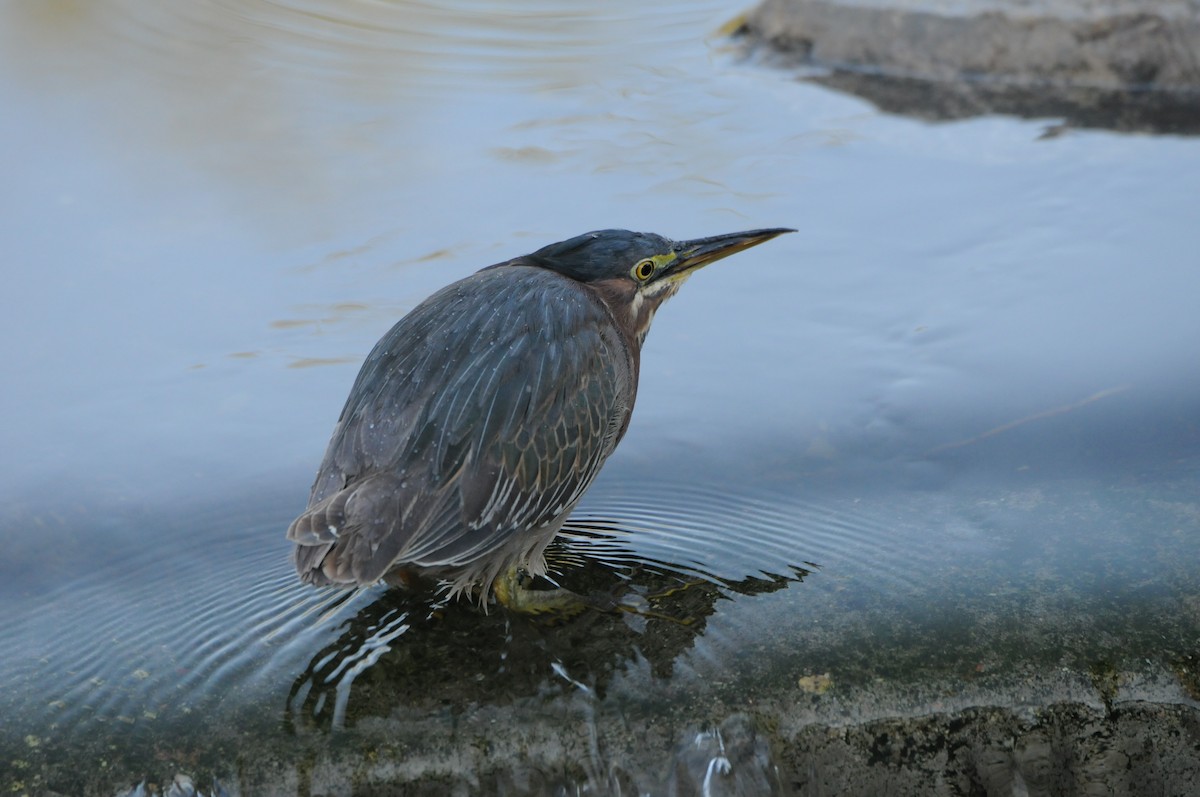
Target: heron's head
{"points": [[635, 272]]}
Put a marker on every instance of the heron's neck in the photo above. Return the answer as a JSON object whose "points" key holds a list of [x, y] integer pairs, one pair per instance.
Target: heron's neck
{"points": [[633, 307], [645, 303]]}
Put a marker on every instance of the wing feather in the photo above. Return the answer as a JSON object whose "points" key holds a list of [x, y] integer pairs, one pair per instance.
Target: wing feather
{"points": [[485, 412]]}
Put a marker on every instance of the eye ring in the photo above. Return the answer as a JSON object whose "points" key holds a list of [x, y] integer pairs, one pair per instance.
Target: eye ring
{"points": [[644, 270]]}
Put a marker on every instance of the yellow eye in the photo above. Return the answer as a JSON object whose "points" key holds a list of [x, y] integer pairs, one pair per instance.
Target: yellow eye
{"points": [[644, 270]]}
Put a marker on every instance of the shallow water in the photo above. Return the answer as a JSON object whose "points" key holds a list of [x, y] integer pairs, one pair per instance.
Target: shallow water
{"points": [[951, 428]]}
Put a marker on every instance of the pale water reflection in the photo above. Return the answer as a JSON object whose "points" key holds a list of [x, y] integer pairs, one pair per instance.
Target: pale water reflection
{"points": [[935, 452]]}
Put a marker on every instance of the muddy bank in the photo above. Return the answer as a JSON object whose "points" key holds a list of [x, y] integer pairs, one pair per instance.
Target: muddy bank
{"points": [[1095, 64]]}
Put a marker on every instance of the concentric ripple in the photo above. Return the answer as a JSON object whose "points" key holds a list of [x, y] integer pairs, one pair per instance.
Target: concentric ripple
{"points": [[733, 534], [160, 632]]}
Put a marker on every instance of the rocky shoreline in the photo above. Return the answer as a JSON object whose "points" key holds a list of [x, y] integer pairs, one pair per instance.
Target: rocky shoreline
{"points": [[1095, 64]]}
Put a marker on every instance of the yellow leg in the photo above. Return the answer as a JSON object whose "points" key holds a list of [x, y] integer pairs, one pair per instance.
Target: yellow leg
{"points": [[512, 590]]}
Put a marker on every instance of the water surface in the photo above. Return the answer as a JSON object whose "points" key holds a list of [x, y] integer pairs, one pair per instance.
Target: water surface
{"points": [[949, 430]]}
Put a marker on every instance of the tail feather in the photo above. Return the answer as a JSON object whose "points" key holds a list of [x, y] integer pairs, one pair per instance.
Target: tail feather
{"points": [[352, 537]]}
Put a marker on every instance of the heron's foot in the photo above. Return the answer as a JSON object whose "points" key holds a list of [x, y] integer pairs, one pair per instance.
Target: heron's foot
{"points": [[515, 589]]}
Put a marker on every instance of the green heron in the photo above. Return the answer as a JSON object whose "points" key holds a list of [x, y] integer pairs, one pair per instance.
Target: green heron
{"points": [[478, 421]]}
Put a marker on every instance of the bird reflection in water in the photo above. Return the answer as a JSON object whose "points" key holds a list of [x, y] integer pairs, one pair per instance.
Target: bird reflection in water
{"points": [[433, 654]]}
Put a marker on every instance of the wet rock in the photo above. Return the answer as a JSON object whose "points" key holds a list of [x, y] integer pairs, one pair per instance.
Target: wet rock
{"points": [[1105, 63], [1063, 749]]}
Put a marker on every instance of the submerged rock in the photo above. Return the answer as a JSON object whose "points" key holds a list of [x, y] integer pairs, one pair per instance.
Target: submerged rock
{"points": [[1101, 63]]}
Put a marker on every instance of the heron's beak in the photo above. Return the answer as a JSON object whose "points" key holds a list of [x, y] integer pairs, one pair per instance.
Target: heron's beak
{"points": [[691, 255]]}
